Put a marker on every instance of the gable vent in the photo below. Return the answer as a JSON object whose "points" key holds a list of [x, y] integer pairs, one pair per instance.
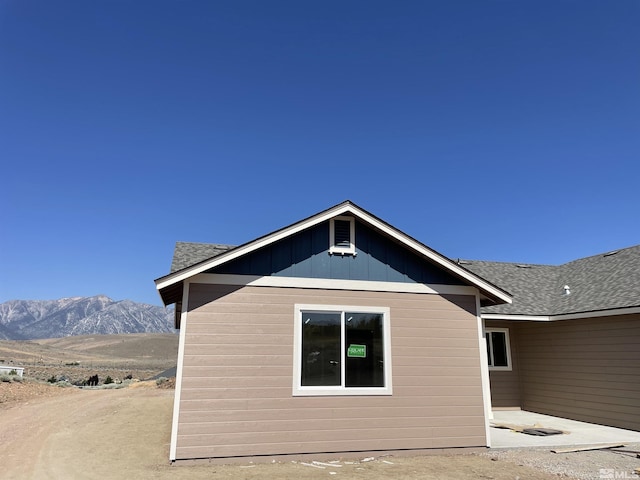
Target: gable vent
{"points": [[342, 232]]}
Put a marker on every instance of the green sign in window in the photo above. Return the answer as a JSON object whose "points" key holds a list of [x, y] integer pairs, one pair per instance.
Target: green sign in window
{"points": [[357, 351]]}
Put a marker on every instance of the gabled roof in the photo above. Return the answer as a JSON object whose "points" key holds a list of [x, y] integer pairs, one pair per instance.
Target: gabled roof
{"points": [[531, 285], [189, 253], [170, 286], [608, 281]]}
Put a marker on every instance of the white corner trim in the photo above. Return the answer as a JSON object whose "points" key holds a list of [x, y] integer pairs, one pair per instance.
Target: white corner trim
{"points": [[178, 390], [341, 209], [484, 374], [329, 284]]}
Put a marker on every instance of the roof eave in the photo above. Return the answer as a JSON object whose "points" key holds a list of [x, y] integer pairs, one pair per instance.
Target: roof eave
{"points": [[487, 290]]}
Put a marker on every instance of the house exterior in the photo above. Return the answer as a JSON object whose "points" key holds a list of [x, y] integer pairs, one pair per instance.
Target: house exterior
{"points": [[571, 337], [338, 334], [342, 335]]}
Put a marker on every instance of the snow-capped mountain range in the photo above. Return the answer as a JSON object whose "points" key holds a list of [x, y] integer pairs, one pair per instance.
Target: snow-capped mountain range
{"points": [[31, 319]]}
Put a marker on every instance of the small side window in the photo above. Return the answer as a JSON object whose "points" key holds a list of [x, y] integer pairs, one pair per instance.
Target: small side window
{"points": [[498, 348], [342, 236]]}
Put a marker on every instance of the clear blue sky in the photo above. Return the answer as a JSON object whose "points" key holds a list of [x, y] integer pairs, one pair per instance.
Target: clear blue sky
{"points": [[495, 130]]}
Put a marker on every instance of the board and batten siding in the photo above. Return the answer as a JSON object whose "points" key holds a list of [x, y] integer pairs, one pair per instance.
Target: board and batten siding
{"points": [[304, 255], [236, 397], [505, 384], [586, 370]]}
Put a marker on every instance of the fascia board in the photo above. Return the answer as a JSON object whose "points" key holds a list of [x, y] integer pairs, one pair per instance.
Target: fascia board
{"points": [[564, 316], [530, 318], [434, 256], [341, 209], [171, 279], [599, 313]]}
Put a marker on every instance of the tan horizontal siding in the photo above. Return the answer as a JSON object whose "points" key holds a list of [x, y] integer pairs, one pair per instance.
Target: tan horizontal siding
{"points": [[505, 384], [619, 404], [300, 434], [238, 364], [346, 402], [437, 415], [583, 369], [424, 440], [336, 425], [588, 384]]}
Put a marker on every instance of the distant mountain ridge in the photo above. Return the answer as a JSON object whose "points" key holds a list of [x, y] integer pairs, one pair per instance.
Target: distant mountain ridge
{"points": [[97, 315]]}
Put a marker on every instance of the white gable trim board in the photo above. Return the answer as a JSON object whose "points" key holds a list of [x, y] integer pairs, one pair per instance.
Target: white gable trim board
{"points": [[330, 284], [346, 208]]}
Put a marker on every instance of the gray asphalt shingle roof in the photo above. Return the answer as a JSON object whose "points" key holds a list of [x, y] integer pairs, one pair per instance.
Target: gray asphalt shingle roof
{"points": [[600, 282], [530, 285], [186, 254]]}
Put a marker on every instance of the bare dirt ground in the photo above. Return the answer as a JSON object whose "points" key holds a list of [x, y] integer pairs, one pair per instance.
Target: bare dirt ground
{"points": [[50, 432], [76, 433]]}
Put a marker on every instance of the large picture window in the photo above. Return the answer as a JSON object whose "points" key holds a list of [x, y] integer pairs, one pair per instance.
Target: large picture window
{"points": [[342, 351], [498, 348]]}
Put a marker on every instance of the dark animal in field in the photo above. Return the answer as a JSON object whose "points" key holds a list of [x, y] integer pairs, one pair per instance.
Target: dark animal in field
{"points": [[93, 381]]}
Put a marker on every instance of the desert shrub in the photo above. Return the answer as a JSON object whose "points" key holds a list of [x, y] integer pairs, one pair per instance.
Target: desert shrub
{"points": [[13, 372], [113, 386], [108, 380], [161, 380], [63, 384], [5, 378], [72, 364], [52, 379]]}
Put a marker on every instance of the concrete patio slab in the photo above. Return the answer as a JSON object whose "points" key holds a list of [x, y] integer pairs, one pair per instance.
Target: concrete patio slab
{"points": [[575, 433]]}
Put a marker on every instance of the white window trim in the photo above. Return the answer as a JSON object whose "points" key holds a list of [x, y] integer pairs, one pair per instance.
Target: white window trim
{"points": [[509, 366], [299, 390], [333, 248]]}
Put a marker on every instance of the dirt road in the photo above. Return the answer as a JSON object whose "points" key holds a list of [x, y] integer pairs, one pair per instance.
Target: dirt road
{"points": [[124, 434], [101, 434]]}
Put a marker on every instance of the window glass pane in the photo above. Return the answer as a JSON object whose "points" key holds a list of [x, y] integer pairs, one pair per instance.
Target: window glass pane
{"points": [[499, 349], [364, 345], [320, 349], [489, 356]]}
